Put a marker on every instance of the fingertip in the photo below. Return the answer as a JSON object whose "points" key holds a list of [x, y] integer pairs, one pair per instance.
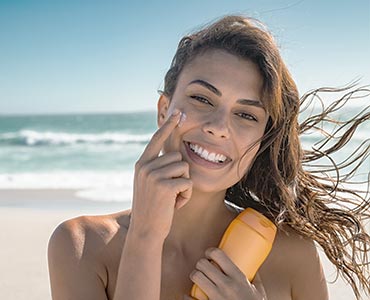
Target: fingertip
{"points": [[210, 250], [175, 117]]}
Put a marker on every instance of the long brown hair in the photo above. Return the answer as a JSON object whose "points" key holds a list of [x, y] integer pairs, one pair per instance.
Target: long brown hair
{"points": [[289, 184]]}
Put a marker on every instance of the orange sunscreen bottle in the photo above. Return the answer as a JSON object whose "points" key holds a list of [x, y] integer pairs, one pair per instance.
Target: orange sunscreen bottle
{"points": [[247, 241]]}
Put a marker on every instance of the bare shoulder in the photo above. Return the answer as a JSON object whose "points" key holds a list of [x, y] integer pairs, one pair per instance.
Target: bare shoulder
{"points": [[76, 254], [293, 242], [299, 258], [85, 230]]}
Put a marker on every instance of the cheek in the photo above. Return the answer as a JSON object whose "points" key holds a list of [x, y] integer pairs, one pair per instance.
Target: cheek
{"points": [[184, 104], [247, 157], [193, 116]]}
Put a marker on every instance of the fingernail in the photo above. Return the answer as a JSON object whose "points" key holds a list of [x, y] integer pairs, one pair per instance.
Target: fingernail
{"points": [[182, 119]]}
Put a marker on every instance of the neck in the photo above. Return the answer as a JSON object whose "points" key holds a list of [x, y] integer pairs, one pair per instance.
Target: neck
{"points": [[199, 224]]}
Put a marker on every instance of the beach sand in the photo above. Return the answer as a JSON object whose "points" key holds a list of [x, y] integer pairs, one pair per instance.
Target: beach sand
{"points": [[28, 218]]}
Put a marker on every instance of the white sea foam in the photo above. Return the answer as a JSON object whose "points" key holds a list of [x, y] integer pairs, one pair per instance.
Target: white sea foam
{"points": [[107, 186], [107, 194], [32, 137]]}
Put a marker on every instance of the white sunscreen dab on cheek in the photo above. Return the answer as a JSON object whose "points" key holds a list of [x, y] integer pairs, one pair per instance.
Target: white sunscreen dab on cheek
{"points": [[182, 119]]}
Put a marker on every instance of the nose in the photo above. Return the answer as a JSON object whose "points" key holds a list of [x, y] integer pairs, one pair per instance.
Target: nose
{"points": [[217, 125]]}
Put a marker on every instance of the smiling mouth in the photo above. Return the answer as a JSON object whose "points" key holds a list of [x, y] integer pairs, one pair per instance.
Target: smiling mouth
{"points": [[208, 156]]}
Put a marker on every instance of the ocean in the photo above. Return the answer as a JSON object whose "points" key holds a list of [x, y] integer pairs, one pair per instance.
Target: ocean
{"points": [[93, 153]]}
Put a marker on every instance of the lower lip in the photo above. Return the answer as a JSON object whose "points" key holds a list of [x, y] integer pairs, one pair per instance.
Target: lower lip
{"points": [[201, 161]]}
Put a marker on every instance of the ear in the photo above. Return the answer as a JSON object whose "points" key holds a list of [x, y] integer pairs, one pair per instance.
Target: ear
{"points": [[162, 109]]}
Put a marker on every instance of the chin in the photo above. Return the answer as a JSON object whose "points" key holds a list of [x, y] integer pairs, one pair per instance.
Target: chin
{"points": [[199, 184]]}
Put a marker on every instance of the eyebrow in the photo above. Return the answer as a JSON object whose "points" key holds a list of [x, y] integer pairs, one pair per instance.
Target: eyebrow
{"points": [[214, 90]]}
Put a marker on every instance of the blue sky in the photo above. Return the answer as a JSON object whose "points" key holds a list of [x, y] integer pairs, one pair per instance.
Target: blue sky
{"points": [[111, 56]]}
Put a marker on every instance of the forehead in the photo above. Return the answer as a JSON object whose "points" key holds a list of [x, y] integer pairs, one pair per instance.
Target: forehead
{"points": [[228, 72]]}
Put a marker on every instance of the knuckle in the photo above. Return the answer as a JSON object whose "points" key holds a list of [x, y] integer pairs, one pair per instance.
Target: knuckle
{"points": [[184, 166], [157, 135], [169, 184], [176, 155], [138, 165], [204, 260], [201, 262], [228, 283], [196, 275], [212, 252], [144, 171], [198, 264], [225, 286], [217, 252], [155, 175]]}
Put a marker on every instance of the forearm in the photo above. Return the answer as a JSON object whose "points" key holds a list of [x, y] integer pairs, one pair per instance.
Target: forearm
{"points": [[139, 273]]}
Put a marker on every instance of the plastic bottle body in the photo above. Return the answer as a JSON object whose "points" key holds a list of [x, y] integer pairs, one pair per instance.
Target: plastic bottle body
{"points": [[247, 241]]}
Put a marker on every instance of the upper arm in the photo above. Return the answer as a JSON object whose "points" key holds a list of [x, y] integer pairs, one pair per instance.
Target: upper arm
{"points": [[72, 274], [307, 276]]}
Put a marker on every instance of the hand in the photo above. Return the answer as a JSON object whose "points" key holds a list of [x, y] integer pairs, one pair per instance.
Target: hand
{"points": [[221, 279], [161, 184]]}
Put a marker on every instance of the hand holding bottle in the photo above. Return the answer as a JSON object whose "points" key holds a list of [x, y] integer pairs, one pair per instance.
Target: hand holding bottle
{"points": [[220, 278], [227, 271]]}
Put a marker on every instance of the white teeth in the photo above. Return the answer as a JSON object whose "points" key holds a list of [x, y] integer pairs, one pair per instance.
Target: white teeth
{"points": [[213, 157], [204, 154]]}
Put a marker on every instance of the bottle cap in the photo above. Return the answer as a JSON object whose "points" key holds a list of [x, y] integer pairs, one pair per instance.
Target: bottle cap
{"points": [[258, 222]]}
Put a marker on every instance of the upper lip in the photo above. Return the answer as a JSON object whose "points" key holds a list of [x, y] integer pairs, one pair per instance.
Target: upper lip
{"points": [[211, 149]]}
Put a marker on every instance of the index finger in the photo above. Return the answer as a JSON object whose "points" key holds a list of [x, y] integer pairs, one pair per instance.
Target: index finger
{"points": [[156, 142]]}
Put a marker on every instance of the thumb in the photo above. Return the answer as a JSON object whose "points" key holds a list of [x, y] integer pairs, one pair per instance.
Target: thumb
{"points": [[182, 200]]}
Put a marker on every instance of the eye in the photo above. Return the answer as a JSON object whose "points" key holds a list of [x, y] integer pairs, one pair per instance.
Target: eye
{"points": [[201, 99], [247, 116]]}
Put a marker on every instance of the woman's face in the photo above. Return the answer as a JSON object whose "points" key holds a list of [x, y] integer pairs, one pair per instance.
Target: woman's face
{"points": [[220, 94]]}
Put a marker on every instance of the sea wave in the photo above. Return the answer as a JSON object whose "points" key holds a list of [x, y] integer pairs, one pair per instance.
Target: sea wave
{"points": [[65, 180], [47, 138], [100, 186]]}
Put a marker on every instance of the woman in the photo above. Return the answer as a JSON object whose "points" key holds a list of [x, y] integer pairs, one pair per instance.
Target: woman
{"points": [[228, 129]]}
